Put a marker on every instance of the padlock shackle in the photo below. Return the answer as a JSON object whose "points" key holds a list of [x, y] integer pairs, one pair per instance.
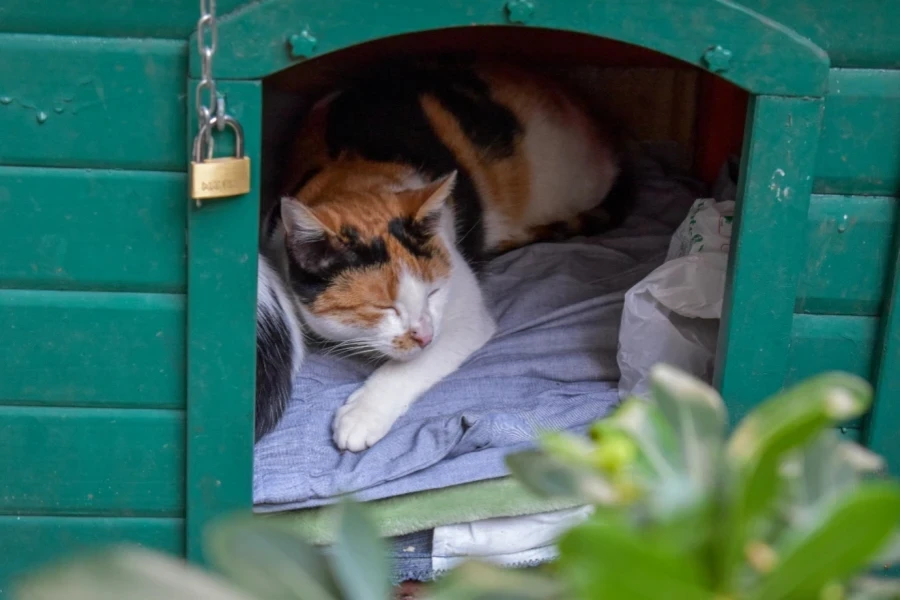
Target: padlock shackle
{"points": [[206, 127]]}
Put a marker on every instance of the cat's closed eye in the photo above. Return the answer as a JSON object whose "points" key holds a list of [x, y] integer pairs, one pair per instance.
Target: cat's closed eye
{"points": [[389, 309], [433, 292]]}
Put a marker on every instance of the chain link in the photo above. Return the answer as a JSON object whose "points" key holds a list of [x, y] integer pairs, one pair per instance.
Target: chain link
{"points": [[206, 99]]}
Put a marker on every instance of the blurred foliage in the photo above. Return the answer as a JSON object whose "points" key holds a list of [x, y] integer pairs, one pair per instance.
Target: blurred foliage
{"points": [[781, 509]]}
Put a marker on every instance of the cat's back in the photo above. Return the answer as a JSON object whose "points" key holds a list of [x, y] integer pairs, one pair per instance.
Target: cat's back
{"points": [[527, 150]]}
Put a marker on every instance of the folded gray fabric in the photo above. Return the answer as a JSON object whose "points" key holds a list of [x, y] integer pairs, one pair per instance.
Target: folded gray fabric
{"points": [[552, 365]]}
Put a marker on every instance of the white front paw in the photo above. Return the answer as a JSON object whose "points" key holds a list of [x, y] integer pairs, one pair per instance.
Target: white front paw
{"points": [[358, 424]]}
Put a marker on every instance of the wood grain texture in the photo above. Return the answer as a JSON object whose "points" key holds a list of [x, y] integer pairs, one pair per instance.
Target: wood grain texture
{"points": [[83, 461], [27, 543], [92, 102], [72, 229], [767, 58], [769, 249], [884, 420], [92, 349], [859, 152], [850, 241], [221, 359]]}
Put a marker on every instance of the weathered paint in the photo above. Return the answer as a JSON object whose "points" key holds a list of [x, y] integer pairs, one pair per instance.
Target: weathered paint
{"points": [[221, 322], [848, 255], [109, 230], [136, 465], [766, 57], [884, 420], [106, 103], [91, 349], [768, 249], [859, 152]]}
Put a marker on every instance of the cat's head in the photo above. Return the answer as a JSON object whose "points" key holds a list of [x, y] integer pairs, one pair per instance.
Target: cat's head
{"points": [[370, 264]]}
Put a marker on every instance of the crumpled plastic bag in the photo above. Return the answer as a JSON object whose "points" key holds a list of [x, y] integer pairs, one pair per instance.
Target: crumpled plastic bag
{"points": [[672, 315]]}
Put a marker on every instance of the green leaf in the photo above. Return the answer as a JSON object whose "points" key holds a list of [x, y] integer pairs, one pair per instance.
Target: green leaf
{"points": [[548, 477], [360, 558], [478, 581], [696, 413], [844, 541], [269, 560], [660, 468], [761, 442], [132, 573], [604, 559]]}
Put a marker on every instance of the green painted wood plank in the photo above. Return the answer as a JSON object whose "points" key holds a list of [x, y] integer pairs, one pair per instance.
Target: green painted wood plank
{"points": [[850, 240], [769, 250], [859, 152], [92, 349], [91, 461], [221, 361], [766, 57], [96, 230], [822, 343], [109, 18], [862, 33], [27, 543], [884, 420], [92, 102]]}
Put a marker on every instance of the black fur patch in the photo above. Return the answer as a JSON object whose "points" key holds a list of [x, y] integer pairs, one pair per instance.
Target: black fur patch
{"points": [[413, 235], [274, 352], [381, 119], [314, 265]]}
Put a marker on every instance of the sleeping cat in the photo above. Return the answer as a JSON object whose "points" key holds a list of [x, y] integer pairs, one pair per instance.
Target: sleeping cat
{"points": [[404, 184]]}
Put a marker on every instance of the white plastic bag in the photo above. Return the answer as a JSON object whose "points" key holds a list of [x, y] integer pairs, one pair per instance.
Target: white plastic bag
{"points": [[672, 315]]}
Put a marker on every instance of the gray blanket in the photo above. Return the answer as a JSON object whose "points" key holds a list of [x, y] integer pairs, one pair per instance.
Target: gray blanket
{"points": [[552, 365]]}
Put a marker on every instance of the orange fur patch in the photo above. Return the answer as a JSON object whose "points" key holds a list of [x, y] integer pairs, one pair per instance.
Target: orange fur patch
{"points": [[359, 194]]}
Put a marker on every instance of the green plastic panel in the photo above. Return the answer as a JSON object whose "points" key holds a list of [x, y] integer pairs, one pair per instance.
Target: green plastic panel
{"points": [[825, 343], [92, 102], [883, 430], [769, 249], [91, 461], [761, 56], [861, 33], [221, 359], [859, 152], [850, 241], [27, 543], [92, 349], [88, 229], [113, 18]]}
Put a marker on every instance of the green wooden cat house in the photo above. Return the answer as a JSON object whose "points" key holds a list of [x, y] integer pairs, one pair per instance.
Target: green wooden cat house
{"points": [[127, 325]]}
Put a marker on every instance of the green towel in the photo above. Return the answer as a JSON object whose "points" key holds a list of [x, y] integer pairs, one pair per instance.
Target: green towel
{"points": [[421, 511]]}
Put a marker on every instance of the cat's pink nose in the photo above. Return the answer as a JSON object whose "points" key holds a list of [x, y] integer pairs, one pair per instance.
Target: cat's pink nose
{"points": [[422, 334]]}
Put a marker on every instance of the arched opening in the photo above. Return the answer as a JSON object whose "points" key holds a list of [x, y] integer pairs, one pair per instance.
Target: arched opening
{"points": [[688, 123], [657, 69]]}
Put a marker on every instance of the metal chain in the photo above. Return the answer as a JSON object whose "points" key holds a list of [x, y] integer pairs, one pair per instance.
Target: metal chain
{"points": [[210, 104]]}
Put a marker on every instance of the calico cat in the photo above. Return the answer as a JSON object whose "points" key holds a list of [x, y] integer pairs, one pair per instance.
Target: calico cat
{"points": [[280, 347], [404, 184]]}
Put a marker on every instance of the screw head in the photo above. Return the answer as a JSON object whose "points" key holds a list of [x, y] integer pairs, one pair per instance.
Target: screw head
{"points": [[717, 59], [303, 44], [519, 11]]}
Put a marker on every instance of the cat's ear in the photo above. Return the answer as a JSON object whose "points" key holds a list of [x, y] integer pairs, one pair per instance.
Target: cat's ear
{"points": [[430, 199], [300, 224]]}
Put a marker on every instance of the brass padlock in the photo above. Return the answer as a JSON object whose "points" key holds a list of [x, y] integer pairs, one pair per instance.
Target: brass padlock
{"points": [[219, 177]]}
